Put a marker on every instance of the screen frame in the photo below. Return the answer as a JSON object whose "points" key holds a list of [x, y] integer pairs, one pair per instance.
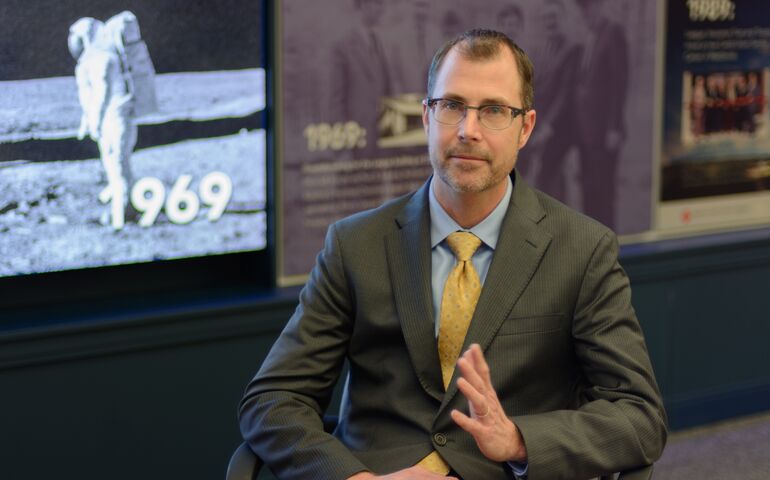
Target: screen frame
{"points": [[66, 296]]}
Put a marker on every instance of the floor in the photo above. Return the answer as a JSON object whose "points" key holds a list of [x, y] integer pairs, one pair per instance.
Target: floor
{"points": [[734, 449]]}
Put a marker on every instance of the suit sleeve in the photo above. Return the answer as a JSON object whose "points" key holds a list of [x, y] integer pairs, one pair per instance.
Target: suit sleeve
{"points": [[620, 422], [280, 414]]}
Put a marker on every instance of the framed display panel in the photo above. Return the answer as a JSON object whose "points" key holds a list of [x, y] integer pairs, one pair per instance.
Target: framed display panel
{"points": [[351, 75], [714, 163], [178, 120]]}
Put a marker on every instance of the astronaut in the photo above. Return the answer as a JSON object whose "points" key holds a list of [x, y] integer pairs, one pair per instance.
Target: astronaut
{"points": [[106, 96]]}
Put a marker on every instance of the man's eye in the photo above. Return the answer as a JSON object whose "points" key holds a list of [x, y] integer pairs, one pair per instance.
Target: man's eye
{"points": [[448, 105], [495, 110]]}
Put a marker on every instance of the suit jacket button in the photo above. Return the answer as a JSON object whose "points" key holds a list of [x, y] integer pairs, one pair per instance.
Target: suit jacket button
{"points": [[440, 439]]}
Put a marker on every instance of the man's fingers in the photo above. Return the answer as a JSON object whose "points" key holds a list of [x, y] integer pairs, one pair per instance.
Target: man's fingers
{"points": [[466, 423], [470, 374], [475, 384], [479, 405], [471, 393], [480, 363], [482, 369]]}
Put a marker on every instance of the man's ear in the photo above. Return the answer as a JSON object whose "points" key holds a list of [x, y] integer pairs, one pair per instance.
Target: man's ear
{"points": [[425, 118], [527, 127]]}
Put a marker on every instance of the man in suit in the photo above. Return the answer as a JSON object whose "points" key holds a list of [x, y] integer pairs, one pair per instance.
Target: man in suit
{"points": [[555, 380], [600, 98], [365, 69], [556, 134]]}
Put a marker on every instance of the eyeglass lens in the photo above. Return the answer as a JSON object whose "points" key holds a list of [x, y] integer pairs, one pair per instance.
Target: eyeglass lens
{"points": [[450, 112]]}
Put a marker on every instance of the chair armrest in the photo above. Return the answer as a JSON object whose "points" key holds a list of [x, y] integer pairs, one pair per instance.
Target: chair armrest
{"points": [[244, 464]]}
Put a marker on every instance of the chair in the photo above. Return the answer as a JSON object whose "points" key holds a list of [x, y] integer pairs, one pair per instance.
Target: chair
{"points": [[245, 465]]}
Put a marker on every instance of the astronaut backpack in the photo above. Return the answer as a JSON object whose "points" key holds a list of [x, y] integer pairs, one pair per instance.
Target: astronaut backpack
{"points": [[123, 34]]}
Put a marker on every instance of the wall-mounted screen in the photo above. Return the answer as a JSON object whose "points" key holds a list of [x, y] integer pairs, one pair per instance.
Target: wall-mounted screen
{"points": [[130, 132]]}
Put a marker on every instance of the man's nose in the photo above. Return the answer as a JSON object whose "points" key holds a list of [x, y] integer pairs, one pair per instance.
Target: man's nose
{"points": [[470, 126]]}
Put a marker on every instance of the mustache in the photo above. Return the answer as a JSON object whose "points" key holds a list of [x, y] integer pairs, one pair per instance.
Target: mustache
{"points": [[466, 152]]}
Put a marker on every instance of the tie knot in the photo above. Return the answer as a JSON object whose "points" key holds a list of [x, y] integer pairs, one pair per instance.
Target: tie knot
{"points": [[463, 244]]}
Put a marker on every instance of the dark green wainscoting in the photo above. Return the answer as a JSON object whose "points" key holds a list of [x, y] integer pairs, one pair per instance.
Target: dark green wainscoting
{"points": [[705, 308]]}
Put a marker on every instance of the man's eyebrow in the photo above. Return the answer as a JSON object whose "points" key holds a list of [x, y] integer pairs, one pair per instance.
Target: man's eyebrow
{"points": [[452, 96], [486, 101], [495, 101]]}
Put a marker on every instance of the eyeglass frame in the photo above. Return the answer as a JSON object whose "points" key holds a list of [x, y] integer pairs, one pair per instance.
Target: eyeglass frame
{"points": [[515, 112]]}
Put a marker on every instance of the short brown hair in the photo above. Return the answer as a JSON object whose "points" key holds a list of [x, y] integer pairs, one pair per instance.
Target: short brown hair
{"points": [[483, 44]]}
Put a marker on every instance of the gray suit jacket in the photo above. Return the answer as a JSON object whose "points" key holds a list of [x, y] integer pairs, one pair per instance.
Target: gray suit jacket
{"points": [[554, 319]]}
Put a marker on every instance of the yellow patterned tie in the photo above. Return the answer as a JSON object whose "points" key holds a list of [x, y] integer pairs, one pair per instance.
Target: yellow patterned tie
{"points": [[461, 293], [434, 463]]}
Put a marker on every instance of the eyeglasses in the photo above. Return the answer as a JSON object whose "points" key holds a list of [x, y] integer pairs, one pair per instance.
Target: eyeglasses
{"points": [[451, 112]]}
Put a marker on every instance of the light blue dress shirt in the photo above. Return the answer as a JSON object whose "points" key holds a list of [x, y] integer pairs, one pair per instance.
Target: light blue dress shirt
{"points": [[443, 260]]}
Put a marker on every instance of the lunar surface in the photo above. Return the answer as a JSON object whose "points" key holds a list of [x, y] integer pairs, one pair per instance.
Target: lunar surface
{"points": [[48, 108], [51, 218], [50, 215]]}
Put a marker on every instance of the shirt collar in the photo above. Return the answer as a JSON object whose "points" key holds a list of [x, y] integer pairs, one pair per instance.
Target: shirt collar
{"points": [[488, 230]]}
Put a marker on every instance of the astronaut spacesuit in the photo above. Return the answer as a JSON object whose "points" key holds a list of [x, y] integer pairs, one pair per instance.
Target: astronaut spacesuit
{"points": [[106, 96]]}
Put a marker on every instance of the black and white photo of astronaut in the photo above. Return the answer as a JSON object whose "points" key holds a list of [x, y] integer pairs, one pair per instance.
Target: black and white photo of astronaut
{"points": [[130, 132], [108, 96]]}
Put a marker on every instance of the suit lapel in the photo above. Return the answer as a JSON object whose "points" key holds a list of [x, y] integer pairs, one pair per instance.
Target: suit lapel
{"points": [[408, 254], [520, 249]]}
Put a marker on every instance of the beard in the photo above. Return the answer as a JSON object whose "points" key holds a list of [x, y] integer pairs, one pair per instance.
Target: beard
{"points": [[468, 178]]}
